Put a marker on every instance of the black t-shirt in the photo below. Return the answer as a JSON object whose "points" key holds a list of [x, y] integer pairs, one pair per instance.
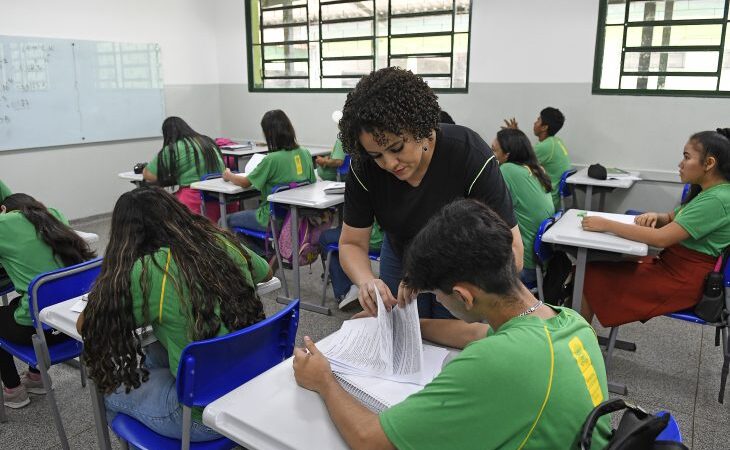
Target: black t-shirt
{"points": [[462, 166]]}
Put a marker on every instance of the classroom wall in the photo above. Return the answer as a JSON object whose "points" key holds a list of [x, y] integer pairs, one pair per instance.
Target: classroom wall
{"points": [[524, 55], [81, 180]]}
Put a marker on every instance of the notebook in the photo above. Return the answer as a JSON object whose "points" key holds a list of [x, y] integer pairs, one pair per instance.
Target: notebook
{"points": [[335, 187]]}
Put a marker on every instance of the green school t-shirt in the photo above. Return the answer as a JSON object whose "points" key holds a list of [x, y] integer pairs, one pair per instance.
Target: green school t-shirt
{"points": [[376, 236], [165, 309], [280, 167], [4, 191], [531, 203], [330, 173], [24, 256], [188, 171], [554, 158], [532, 382], [707, 220]]}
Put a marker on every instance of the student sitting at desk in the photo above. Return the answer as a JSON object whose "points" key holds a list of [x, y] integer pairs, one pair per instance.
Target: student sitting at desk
{"points": [[693, 235], [550, 150], [328, 165], [177, 272], [528, 380], [530, 188], [185, 157], [285, 163], [33, 240]]}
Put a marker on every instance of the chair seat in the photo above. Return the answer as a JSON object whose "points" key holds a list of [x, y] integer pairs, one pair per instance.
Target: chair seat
{"points": [[687, 315], [60, 352], [137, 434]]}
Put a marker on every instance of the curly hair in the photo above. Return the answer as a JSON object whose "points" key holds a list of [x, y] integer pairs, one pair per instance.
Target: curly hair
{"points": [[392, 100], [216, 291]]}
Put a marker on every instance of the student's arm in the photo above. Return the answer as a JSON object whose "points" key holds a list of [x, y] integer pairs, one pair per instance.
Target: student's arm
{"points": [[149, 176], [80, 322], [329, 162], [354, 245], [654, 220], [238, 180], [663, 237], [453, 333], [518, 248], [359, 426]]}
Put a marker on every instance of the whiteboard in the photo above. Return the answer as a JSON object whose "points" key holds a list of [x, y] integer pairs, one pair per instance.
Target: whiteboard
{"points": [[61, 92]]}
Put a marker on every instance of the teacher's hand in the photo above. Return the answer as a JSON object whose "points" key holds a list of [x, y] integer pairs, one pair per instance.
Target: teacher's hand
{"points": [[405, 294], [367, 298]]}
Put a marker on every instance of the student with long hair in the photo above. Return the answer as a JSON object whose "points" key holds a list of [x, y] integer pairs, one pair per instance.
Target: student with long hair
{"points": [[185, 157], [177, 272], [33, 240], [530, 188], [692, 236], [286, 162]]}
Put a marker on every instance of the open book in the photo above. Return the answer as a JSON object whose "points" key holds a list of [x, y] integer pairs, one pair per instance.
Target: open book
{"points": [[381, 360], [255, 160]]}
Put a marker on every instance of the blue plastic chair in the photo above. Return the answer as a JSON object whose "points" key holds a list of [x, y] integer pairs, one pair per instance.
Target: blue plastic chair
{"points": [[210, 369], [671, 432], [563, 189], [543, 251], [331, 248], [277, 212], [343, 169], [722, 337], [45, 290]]}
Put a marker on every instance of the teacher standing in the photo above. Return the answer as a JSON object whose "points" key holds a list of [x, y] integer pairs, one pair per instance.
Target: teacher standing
{"points": [[405, 168]]}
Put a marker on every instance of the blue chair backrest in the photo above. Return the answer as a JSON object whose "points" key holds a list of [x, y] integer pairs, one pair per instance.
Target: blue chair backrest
{"points": [[344, 168], [671, 432], [545, 251], [60, 285], [211, 368], [685, 192], [279, 211], [563, 189]]}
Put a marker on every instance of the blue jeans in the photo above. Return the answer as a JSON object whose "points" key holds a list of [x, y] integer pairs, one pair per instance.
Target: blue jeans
{"points": [[340, 281], [155, 402], [247, 219], [391, 272]]}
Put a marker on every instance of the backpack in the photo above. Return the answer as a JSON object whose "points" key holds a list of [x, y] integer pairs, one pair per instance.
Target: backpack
{"points": [[312, 224], [555, 287]]}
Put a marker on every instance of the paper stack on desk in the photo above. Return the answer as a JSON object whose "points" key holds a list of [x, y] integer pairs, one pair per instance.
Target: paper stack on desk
{"points": [[382, 360]]}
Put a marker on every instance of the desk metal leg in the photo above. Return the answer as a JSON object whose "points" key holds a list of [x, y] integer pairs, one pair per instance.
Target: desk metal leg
{"points": [[222, 206], [589, 197], [602, 200], [580, 273], [102, 428]]}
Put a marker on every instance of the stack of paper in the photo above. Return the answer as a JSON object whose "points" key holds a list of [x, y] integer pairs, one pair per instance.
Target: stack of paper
{"points": [[256, 158]]}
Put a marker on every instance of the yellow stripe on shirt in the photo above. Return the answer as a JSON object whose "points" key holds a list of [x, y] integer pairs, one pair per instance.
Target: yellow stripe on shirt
{"points": [[164, 282], [549, 389]]}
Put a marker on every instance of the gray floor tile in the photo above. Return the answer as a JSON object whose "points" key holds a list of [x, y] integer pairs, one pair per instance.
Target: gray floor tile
{"points": [[711, 435], [707, 406]]}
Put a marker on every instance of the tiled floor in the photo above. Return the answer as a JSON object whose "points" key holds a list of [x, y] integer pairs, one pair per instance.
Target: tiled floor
{"points": [[676, 368]]}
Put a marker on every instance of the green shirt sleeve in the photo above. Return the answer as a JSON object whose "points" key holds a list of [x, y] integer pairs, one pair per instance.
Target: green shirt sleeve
{"points": [[702, 216], [4, 191], [260, 174]]}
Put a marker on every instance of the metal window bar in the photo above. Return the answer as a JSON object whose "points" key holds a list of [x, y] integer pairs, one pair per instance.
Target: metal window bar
{"points": [[285, 43], [669, 48]]}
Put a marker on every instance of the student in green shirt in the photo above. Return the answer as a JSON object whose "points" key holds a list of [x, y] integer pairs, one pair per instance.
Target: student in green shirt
{"points": [[692, 236], [327, 165], [33, 240], [179, 273], [286, 162], [185, 157], [527, 380], [550, 149], [530, 189]]}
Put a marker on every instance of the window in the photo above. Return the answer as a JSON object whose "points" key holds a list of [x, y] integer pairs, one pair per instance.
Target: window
{"points": [[304, 45], [667, 47]]}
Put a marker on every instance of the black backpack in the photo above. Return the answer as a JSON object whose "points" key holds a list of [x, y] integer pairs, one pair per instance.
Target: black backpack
{"points": [[554, 287]]}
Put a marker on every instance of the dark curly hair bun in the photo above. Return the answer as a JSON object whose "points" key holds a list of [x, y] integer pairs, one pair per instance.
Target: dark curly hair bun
{"points": [[392, 100]]}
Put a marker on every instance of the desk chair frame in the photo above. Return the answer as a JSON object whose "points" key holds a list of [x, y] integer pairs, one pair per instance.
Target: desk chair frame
{"points": [[61, 285], [543, 251], [564, 190]]}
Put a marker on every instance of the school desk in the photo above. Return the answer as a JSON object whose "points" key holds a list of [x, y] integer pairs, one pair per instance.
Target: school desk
{"points": [[134, 178], [311, 196], [581, 178], [227, 192]]}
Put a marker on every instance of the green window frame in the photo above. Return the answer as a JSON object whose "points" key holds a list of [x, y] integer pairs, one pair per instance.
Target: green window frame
{"points": [[328, 45], [662, 48]]}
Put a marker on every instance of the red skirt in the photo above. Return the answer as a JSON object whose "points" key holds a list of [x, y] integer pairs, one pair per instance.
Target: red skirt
{"points": [[191, 198], [623, 292]]}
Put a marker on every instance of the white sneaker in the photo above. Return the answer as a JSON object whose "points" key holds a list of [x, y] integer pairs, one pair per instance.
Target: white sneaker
{"points": [[16, 398], [350, 297]]}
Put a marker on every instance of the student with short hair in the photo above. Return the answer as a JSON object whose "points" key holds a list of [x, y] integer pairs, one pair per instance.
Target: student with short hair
{"points": [[527, 380], [185, 157], [530, 189], [286, 162], [327, 166], [693, 235], [550, 149], [179, 273], [33, 240]]}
